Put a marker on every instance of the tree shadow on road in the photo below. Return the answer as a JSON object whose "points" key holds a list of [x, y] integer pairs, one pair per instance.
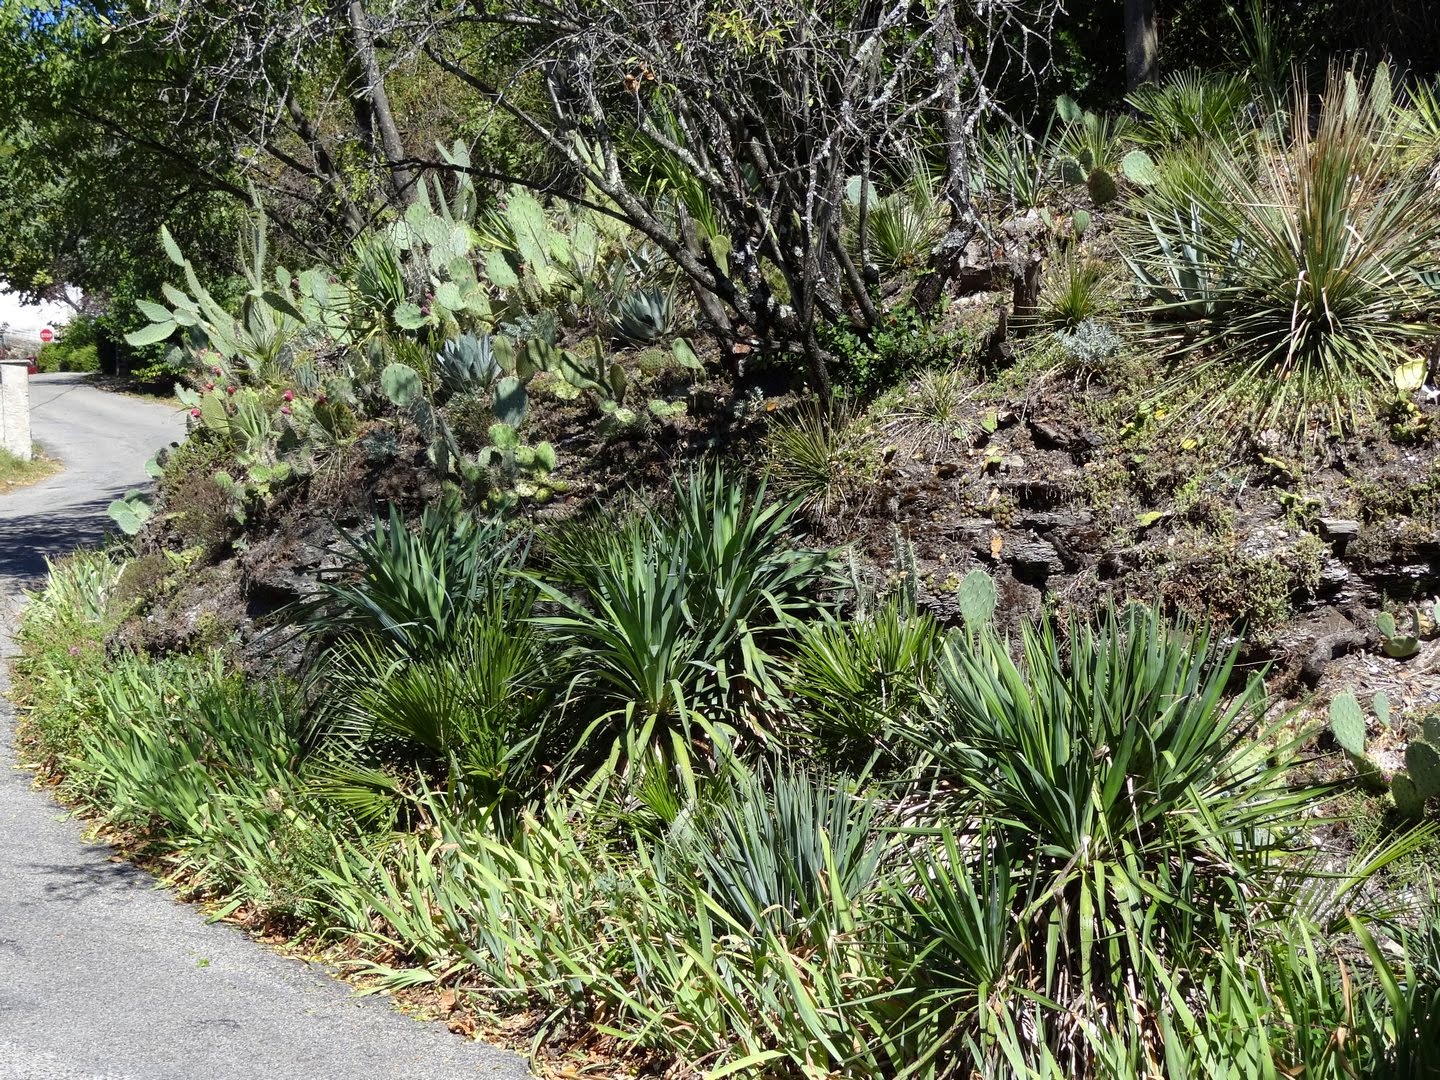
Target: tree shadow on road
{"points": [[28, 540]]}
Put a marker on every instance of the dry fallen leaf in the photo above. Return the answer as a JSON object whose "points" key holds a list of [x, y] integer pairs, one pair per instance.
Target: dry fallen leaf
{"points": [[996, 543]]}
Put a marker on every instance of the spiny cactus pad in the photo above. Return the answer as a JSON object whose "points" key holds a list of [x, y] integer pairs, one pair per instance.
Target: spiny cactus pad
{"points": [[976, 597], [1422, 761], [1431, 729], [1407, 797], [1347, 724]]}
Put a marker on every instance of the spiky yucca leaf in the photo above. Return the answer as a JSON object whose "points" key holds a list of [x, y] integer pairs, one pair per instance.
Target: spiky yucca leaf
{"points": [[1301, 257]]}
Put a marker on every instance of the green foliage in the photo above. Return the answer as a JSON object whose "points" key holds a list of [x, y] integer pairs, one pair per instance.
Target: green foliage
{"points": [[642, 317], [1191, 105], [131, 511], [905, 341], [853, 677], [670, 620], [1298, 256], [822, 461], [416, 588]]}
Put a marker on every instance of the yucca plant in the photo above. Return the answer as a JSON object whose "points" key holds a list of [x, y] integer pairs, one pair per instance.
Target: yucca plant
{"points": [[1121, 779], [1300, 257], [768, 846], [669, 618], [1013, 168], [933, 414], [902, 226], [1074, 290], [412, 587]]}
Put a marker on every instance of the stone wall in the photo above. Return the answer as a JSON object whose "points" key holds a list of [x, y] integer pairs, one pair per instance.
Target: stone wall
{"points": [[15, 408]]}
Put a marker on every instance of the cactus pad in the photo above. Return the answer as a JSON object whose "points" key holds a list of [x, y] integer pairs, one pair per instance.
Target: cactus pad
{"points": [[1431, 730], [1423, 763], [1407, 797], [976, 597], [1347, 724], [1381, 704]]}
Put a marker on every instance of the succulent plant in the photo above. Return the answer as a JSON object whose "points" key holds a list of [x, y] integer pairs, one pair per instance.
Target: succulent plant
{"points": [[131, 512], [1411, 786], [400, 384], [643, 316], [1395, 644], [467, 364], [976, 597]]}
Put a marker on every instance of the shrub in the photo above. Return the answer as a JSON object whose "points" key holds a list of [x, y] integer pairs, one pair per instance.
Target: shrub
{"points": [[55, 356], [199, 511]]}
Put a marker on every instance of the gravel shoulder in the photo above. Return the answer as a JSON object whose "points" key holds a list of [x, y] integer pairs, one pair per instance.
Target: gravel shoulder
{"points": [[103, 976]]}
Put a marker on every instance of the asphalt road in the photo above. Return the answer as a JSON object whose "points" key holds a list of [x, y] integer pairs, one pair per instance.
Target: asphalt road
{"points": [[102, 975]]}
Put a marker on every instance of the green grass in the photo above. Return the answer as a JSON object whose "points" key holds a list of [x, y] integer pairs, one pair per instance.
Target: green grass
{"points": [[16, 472]]}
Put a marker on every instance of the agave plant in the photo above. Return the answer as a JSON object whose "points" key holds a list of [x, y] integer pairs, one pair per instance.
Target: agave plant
{"points": [[467, 364], [643, 316]]}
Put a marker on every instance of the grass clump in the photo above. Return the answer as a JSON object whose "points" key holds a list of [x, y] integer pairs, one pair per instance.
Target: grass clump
{"points": [[17, 472]]}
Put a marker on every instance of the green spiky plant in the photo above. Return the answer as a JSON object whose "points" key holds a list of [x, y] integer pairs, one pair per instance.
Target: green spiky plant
{"points": [[1308, 248]]}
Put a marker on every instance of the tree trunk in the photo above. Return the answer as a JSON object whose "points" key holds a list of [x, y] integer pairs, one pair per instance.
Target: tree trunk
{"points": [[374, 91], [1142, 43]]}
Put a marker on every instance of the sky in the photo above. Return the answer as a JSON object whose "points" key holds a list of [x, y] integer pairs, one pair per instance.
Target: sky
{"points": [[26, 320]]}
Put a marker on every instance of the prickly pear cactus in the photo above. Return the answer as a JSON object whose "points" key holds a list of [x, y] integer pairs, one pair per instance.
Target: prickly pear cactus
{"points": [[131, 512], [401, 384], [976, 597], [1347, 724], [1422, 761], [1408, 801], [1396, 645], [510, 401], [1430, 729]]}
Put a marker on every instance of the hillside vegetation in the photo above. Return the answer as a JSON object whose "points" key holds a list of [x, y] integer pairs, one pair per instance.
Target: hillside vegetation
{"points": [[801, 598]]}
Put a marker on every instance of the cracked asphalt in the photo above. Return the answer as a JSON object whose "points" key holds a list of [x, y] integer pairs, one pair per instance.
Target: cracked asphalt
{"points": [[103, 976]]}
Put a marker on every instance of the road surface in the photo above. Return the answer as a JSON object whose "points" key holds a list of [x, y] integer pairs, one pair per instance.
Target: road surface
{"points": [[102, 975]]}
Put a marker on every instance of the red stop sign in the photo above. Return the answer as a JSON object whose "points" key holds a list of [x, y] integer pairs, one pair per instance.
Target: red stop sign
{"points": [[47, 335]]}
